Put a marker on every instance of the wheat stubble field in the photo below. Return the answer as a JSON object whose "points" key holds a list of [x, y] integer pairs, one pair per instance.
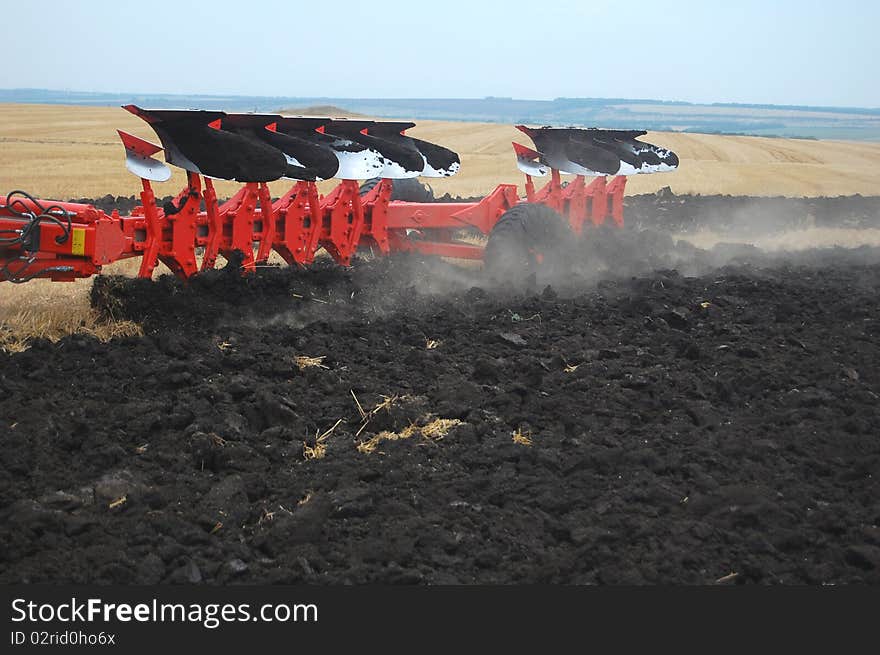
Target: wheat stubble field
{"points": [[67, 152]]}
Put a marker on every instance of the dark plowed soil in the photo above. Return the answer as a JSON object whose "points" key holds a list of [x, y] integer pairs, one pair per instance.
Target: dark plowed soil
{"points": [[670, 429]]}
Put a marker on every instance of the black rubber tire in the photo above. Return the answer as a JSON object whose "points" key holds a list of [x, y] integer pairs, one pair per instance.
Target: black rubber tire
{"points": [[405, 190], [530, 243]]}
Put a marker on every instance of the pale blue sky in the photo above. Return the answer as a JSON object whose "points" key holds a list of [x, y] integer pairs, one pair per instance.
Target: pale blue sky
{"points": [[751, 51]]}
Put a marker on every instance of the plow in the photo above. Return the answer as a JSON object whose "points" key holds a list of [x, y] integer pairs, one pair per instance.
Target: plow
{"points": [[63, 241]]}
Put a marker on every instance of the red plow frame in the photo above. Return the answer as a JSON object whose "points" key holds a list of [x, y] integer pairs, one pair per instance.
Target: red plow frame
{"points": [[79, 239]]}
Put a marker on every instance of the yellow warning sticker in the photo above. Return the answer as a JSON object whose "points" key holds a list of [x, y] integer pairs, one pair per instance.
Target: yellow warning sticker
{"points": [[78, 241]]}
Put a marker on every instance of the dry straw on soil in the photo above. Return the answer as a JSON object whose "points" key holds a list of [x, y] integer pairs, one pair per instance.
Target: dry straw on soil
{"points": [[303, 362], [433, 430], [319, 450], [522, 438]]}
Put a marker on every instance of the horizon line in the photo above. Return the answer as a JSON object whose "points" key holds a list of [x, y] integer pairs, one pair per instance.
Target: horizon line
{"points": [[469, 98]]}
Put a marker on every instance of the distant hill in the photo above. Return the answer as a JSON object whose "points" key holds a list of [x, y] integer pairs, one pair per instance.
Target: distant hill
{"points": [[331, 111]]}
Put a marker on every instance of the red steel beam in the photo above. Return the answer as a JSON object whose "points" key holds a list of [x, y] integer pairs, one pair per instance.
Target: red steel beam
{"points": [[295, 225]]}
